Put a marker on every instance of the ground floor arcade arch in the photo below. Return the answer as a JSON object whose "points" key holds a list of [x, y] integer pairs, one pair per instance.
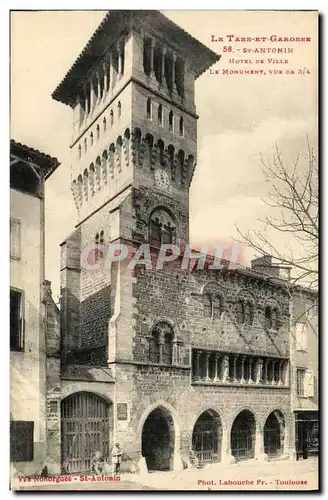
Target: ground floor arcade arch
{"points": [[158, 439], [243, 436], [206, 437], [274, 434]]}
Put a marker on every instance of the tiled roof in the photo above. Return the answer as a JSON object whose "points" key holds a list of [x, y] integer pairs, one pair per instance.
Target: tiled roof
{"points": [[27, 153]]}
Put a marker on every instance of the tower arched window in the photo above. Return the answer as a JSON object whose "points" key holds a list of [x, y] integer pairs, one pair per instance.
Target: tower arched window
{"points": [[179, 77], [147, 55], [149, 108], [181, 126], [160, 146], [171, 121], [158, 63], [160, 115], [91, 139], [80, 151], [162, 228], [168, 67], [161, 343], [85, 145], [104, 124], [119, 109], [111, 118], [98, 132]]}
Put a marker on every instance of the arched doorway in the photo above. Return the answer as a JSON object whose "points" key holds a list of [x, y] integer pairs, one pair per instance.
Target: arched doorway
{"points": [[206, 437], [243, 436], [84, 430], [274, 433], [158, 440]]}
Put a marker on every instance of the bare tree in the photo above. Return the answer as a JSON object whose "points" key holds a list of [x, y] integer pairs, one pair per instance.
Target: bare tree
{"points": [[294, 198]]}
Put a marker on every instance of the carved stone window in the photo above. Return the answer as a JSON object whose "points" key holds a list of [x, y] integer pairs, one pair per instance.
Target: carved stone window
{"points": [[245, 309], [272, 318], [161, 228], [161, 343], [213, 301]]}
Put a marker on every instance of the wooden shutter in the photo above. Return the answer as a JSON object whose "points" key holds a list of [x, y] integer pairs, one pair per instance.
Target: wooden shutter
{"points": [[21, 441], [309, 384]]}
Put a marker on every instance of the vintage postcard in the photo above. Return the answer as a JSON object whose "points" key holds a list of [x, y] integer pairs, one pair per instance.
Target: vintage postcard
{"points": [[163, 250]]}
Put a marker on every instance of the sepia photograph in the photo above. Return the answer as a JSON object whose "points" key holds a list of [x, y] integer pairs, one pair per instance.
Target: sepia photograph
{"points": [[164, 240]]}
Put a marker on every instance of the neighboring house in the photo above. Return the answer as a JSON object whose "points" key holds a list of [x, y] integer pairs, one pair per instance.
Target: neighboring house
{"points": [[157, 360], [304, 363], [29, 170]]}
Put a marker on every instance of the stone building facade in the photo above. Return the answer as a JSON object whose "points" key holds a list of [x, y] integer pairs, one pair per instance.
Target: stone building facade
{"points": [[29, 169], [304, 371], [159, 360]]}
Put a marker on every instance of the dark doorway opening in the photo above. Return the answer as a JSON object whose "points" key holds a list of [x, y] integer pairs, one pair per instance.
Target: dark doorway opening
{"points": [[307, 435], [158, 440], [274, 434], [243, 436]]}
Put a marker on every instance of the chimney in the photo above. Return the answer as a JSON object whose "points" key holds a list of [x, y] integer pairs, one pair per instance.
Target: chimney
{"points": [[264, 265]]}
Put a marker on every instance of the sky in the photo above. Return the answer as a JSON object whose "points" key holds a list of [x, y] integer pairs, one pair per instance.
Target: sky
{"points": [[241, 117]]}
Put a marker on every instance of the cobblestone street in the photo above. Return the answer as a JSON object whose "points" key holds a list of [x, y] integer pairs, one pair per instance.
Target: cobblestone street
{"points": [[279, 475]]}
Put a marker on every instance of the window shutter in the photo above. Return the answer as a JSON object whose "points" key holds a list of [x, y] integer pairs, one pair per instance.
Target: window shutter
{"points": [[15, 237], [21, 441], [309, 384]]}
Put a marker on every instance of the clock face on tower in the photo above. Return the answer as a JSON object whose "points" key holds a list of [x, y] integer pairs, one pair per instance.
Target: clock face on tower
{"points": [[162, 179]]}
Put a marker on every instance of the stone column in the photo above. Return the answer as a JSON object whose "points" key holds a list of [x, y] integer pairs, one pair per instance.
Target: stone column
{"points": [[175, 360], [174, 87], [163, 66], [105, 79], [207, 357], [92, 97], [198, 353], [216, 374], [110, 72], [86, 103], [99, 96], [226, 457], [272, 372], [259, 446], [242, 380], [120, 62], [285, 373], [250, 379], [160, 343], [152, 46]]}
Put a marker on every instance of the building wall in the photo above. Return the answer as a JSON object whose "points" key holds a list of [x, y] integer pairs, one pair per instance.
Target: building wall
{"points": [[166, 295], [304, 310], [27, 368]]}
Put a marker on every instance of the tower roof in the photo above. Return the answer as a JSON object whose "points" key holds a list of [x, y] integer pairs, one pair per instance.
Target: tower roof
{"points": [[118, 21]]}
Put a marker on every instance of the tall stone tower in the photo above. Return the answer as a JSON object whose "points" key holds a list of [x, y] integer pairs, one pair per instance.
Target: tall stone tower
{"points": [[134, 150]]}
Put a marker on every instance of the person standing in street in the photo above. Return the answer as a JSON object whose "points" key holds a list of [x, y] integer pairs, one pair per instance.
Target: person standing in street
{"points": [[117, 458]]}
